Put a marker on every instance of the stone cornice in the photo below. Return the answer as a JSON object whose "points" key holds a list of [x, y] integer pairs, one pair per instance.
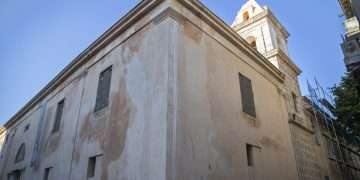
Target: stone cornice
{"points": [[302, 126], [285, 57]]}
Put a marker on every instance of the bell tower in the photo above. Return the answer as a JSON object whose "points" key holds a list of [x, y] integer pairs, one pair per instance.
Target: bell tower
{"points": [[260, 28], [263, 31]]}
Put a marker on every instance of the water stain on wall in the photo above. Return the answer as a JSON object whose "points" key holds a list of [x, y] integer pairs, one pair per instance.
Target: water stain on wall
{"points": [[109, 130], [269, 142], [192, 32]]}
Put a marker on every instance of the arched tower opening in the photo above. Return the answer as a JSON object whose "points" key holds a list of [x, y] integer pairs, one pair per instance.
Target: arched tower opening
{"points": [[252, 41]]}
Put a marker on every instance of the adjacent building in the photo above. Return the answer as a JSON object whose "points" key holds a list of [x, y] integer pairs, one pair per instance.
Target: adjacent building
{"points": [[351, 40], [335, 158], [171, 92]]}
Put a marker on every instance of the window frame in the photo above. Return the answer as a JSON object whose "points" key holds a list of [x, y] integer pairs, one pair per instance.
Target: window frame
{"points": [[246, 16], [92, 164], [250, 155], [47, 172], [294, 99], [20, 153], [247, 96], [103, 90], [58, 116]]}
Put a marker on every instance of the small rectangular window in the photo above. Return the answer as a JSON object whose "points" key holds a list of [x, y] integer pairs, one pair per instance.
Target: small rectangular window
{"points": [[247, 95], [15, 175], [47, 173], [6, 138], [250, 154], [294, 98], [58, 116], [103, 91], [27, 127], [91, 167]]}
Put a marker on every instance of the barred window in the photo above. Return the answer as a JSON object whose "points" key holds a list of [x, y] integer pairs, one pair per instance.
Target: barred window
{"points": [[58, 116], [247, 95], [103, 91]]}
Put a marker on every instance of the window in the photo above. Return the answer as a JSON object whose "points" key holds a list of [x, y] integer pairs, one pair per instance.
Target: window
{"points": [[6, 138], [26, 127], [47, 173], [247, 95], [58, 117], [253, 44], [246, 16], [294, 98], [91, 167], [250, 155], [20, 155], [252, 41], [103, 91], [15, 175]]}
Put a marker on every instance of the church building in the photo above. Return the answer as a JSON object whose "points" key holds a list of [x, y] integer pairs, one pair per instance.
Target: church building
{"points": [[171, 92]]}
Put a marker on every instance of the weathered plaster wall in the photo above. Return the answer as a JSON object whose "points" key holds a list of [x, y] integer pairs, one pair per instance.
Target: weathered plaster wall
{"points": [[308, 161], [18, 135], [3, 138], [130, 134], [211, 130]]}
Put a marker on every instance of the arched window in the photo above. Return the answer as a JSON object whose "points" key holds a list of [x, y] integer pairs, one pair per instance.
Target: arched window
{"points": [[20, 155], [246, 16], [252, 41]]}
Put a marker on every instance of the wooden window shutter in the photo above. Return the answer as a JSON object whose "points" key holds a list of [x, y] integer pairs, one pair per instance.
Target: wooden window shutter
{"points": [[58, 116], [247, 95], [103, 91]]}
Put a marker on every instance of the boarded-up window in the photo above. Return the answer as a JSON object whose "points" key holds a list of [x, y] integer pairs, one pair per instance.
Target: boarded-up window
{"points": [[247, 95], [103, 91], [58, 116], [20, 154]]}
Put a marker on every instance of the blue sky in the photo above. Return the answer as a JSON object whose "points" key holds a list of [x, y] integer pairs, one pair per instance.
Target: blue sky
{"points": [[39, 37]]}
